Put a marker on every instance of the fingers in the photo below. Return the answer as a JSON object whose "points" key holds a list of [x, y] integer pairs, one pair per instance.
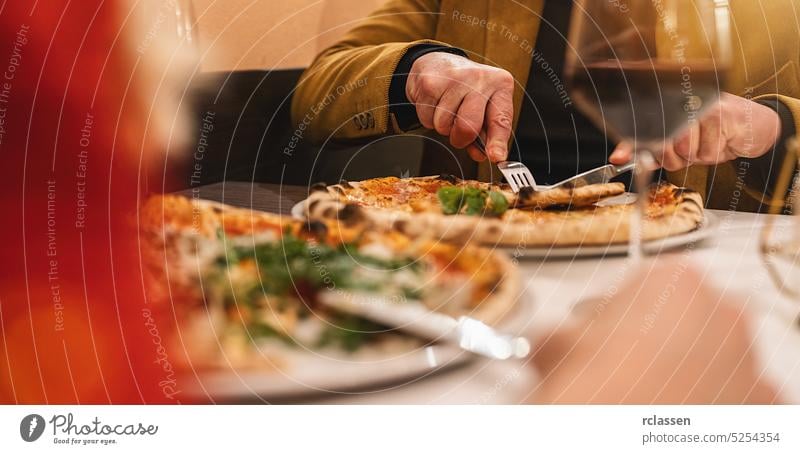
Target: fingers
{"points": [[476, 154], [683, 151], [445, 113], [672, 161], [469, 121], [426, 107], [499, 123], [687, 145], [622, 154], [713, 144]]}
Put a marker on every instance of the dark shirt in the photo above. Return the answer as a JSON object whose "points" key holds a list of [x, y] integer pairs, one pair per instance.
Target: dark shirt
{"points": [[553, 138]]}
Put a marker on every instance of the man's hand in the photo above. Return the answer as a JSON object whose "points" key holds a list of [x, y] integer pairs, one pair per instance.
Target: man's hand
{"points": [[460, 98], [734, 128]]}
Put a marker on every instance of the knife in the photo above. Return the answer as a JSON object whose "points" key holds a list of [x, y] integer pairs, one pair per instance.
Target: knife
{"points": [[600, 175], [415, 318]]}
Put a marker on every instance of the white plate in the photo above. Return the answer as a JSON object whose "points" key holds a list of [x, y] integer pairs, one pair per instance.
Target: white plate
{"points": [[306, 374], [707, 228], [298, 211]]}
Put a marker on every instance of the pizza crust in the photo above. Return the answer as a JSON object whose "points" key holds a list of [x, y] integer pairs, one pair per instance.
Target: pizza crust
{"points": [[534, 227], [577, 197]]}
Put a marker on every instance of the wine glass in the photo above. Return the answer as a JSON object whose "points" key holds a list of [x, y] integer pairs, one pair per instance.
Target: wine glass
{"points": [[645, 71], [780, 236]]}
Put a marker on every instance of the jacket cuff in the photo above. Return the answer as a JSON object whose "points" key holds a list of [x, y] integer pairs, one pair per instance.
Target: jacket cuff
{"points": [[764, 171], [403, 110]]}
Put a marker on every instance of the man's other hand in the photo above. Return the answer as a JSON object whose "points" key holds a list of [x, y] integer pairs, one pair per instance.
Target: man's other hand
{"points": [[733, 128]]}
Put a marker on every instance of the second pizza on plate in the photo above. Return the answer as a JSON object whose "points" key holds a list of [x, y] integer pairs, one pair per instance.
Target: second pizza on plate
{"points": [[451, 209]]}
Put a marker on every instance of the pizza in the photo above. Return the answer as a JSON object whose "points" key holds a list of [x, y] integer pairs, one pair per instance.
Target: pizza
{"points": [[452, 209], [250, 285]]}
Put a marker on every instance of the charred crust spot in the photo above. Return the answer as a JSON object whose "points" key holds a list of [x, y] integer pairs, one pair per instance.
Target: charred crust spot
{"points": [[346, 184], [339, 190], [526, 193], [329, 212], [318, 187], [692, 209], [493, 230], [694, 202], [312, 205], [400, 225], [448, 178], [351, 214], [681, 192], [316, 228]]}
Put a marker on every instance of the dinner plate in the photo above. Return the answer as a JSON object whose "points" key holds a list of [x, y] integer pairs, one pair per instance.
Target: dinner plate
{"points": [[707, 228], [304, 374]]}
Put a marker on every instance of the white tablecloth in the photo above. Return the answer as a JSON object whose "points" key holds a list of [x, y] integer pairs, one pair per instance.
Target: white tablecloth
{"points": [[729, 261]]}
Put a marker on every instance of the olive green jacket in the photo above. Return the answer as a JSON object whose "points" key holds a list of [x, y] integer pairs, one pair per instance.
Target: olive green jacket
{"points": [[344, 95]]}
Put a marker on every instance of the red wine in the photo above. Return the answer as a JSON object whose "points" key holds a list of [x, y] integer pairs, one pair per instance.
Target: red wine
{"points": [[648, 101]]}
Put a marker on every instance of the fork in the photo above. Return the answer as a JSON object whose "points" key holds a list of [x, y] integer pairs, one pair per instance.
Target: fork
{"points": [[519, 176]]}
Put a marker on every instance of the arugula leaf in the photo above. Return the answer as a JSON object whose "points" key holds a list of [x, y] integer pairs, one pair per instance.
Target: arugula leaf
{"points": [[262, 330], [451, 198], [293, 265], [454, 200], [498, 203], [475, 201], [349, 332]]}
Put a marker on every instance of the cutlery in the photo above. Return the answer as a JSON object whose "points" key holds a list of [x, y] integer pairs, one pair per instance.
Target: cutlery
{"points": [[519, 176], [414, 318], [600, 175]]}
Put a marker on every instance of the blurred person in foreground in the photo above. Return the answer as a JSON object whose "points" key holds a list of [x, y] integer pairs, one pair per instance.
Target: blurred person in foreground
{"points": [[656, 341], [78, 154], [462, 68]]}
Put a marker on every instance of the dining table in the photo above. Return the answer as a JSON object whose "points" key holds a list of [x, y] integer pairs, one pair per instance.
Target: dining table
{"points": [[728, 260]]}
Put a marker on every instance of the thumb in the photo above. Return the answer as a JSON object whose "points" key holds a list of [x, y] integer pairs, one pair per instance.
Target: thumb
{"points": [[622, 154], [499, 119]]}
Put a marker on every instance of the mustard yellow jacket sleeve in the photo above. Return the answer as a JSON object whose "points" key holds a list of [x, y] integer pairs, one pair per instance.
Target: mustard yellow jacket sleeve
{"points": [[344, 94]]}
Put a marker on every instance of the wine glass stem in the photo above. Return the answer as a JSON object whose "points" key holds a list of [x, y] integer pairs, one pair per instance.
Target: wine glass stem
{"points": [[642, 175]]}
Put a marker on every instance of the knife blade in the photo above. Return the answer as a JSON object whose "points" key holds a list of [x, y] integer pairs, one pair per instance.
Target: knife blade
{"points": [[415, 318]]}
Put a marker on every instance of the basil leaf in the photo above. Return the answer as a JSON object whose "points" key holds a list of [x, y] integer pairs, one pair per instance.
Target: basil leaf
{"points": [[451, 198], [498, 202], [475, 201]]}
